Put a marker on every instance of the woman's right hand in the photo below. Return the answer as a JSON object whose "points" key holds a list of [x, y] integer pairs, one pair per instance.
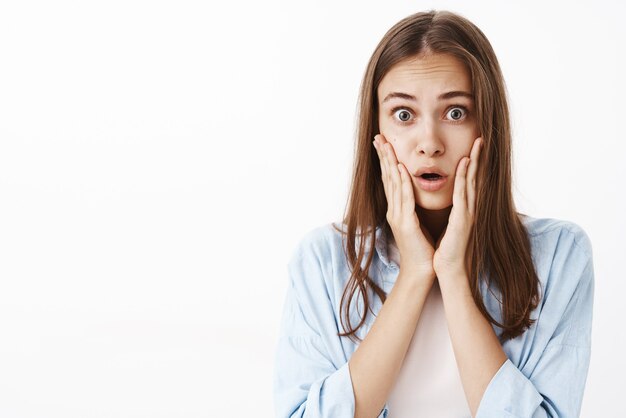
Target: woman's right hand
{"points": [[415, 244]]}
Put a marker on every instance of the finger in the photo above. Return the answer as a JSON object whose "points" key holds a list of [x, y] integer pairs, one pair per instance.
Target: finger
{"points": [[459, 195], [408, 199], [395, 181], [390, 193], [383, 167], [390, 153], [471, 175], [392, 179]]}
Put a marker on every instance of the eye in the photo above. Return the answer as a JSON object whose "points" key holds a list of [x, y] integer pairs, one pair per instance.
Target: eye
{"points": [[457, 113], [404, 116]]}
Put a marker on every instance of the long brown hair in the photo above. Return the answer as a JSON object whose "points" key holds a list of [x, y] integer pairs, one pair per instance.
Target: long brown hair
{"points": [[498, 248]]}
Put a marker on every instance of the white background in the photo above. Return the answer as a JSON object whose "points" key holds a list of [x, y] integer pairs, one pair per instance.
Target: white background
{"points": [[159, 161]]}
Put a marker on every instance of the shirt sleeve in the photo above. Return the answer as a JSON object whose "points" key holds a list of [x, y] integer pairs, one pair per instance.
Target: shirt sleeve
{"points": [[553, 385], [311, 374]]}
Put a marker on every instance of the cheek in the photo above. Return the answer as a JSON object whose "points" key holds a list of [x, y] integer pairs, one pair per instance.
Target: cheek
{"points": [[387, 125], [460, 150], [400, 148], [391, 130]]}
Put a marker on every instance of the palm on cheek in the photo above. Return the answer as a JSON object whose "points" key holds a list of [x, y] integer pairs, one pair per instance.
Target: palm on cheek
{"points": [[449, 256]]}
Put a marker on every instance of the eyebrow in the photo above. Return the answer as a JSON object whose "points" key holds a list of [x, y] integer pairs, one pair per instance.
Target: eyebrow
{"points": [[443, 96]]}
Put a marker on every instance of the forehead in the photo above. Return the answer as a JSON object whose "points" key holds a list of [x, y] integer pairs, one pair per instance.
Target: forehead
{"points": [[426, 76]]}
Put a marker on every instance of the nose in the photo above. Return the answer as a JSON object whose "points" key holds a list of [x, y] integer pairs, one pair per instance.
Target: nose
{"points": [[428, 141]]}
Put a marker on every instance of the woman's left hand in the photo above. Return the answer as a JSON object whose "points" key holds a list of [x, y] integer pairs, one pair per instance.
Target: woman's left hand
{"points": [[449, 257]]}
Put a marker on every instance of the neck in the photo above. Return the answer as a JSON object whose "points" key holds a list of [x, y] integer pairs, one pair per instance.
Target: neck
{"points": [[434, 221]]}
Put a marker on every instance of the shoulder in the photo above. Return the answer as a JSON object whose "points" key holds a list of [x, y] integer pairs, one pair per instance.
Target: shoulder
{"points": [[560, 234], [317, 258], [563, 258], [317, 275], [321, 242], [562, 254]]}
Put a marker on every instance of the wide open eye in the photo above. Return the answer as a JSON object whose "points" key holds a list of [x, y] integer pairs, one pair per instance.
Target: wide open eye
{"points": [[403, 115], [457, 113]]}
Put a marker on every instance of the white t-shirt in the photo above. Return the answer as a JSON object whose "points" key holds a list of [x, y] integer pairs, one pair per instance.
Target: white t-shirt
{"points": [[429, 384]]}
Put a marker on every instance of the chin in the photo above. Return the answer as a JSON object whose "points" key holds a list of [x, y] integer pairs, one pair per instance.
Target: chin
{"points": [[434, 203], [440, 199]]}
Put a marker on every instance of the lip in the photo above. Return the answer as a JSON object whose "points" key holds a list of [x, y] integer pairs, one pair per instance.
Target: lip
{"points": [[431, 185], [431, 169]]}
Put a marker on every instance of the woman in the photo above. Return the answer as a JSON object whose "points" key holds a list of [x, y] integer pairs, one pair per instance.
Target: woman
{"points": [[463, 306]]}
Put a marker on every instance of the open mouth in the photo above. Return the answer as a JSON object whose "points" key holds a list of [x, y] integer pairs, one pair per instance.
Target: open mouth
{"points": [[431, 176]]}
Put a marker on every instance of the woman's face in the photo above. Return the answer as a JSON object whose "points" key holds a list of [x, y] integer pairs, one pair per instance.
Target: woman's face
{"points": [[426, 112]]}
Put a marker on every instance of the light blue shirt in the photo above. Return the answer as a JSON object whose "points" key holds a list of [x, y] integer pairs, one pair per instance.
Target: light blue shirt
{"points": [[546, 367]]}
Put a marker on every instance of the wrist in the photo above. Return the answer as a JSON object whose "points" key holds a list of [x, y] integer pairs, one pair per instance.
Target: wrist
{"points": [[457, 282], [417, 277]]}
